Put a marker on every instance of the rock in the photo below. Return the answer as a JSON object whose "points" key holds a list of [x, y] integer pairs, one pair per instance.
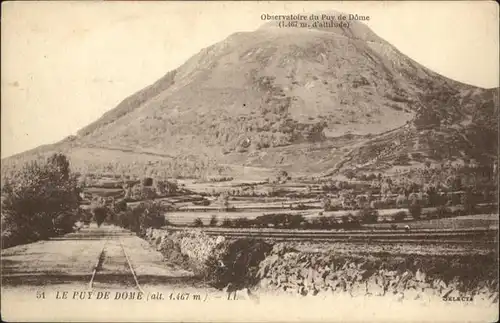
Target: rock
{"points": [[357, 290], [281, 248], [411, 283], [420, 276], [265, 283], [219, 240], [439, 285], [391, 273], [341, 285], [412, 294], [450, 292], [290, 256], [374, 286], [494, 297]]}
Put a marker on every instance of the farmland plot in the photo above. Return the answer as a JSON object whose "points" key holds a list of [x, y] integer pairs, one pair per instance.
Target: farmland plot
{"points": [[487, 221]]}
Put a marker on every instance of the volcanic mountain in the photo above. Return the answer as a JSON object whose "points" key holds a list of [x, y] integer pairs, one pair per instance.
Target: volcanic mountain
{"points": [[308, 100]]}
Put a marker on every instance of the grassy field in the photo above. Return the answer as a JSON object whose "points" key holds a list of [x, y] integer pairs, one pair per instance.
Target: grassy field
{"points": [[367, 248], [487, 221], [101, 191], [460, 222]]}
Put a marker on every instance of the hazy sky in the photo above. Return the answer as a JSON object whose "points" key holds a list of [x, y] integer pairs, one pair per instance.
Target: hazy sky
{"points": [[66, 63]]}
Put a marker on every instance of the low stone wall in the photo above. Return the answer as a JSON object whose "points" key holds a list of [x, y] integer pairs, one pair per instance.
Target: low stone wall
{"points": [[189, 248], [404, 277], [410, 277]]}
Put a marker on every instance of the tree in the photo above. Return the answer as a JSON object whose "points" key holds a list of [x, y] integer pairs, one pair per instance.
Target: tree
{"points": [[198, 222], [213, 221], [39, 201], [468, 201], [296, 220], [224, 201], [385, 188], [350, 174], [161, 188], [120, 206], [60, 164], [100, 213], [368, 215], [226, 223], [433, 196], [413, 199], [281, 176], [399, 216], [327, 204], [401, 200], [415, 211], [147, 181], [147, 215], [362, 201]]}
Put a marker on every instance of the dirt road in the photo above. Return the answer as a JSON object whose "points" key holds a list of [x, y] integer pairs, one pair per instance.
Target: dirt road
{"points": [[71, 259], [100, 266]]}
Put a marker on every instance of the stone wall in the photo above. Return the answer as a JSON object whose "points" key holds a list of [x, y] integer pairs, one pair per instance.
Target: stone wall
{"points": [[401, 277], [405, 277], [189, 248]]}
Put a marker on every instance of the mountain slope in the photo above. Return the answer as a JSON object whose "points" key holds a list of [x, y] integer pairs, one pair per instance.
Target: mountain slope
{"points": [[271, 97]]}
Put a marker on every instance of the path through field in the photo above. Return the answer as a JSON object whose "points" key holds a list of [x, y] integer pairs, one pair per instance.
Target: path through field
{"points": [[35, 276]]}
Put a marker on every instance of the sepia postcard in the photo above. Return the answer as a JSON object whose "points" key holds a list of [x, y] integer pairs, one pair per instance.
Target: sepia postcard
{"points": [[227, 161]]}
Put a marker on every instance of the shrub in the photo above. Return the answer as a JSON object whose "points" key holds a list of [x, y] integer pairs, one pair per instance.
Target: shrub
{"points": [[345, 219], [120, 206], [100, 213], [240, 263], [295, 221], [147, 181], [415, 211], [242, 222], [145, 215], [400, 216], [226, 223], [468, 201], [348, 221], [152, 217], [203, 202], [327, 204], [433, 214], [213, 221], [350, 174], [300, 206], [197, 222], [224, 201], [368, 215], [458, 212], [443, 211], [324, 222]]}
